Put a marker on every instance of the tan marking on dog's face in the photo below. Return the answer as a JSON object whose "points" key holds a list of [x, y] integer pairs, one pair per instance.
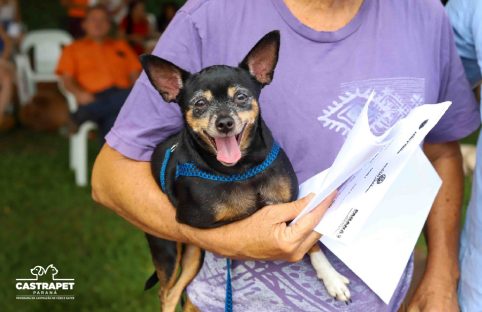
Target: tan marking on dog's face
{"points": [[208, 95], [248, 118], [231, 91], [200, 127], [276, 190], [234, 206]]}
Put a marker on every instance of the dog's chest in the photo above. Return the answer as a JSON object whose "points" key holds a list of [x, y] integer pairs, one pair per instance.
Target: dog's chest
{"points": [[206, 203]]}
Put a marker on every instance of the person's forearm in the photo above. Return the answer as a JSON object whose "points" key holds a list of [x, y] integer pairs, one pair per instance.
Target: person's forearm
{"points": [[443, 225], [133, 77], [8, 45], [71, 85], [138, 200]]}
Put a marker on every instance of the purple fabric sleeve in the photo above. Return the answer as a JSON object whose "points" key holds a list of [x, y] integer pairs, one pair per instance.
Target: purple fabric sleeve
{"points": [[462, 118], [145, 119]]}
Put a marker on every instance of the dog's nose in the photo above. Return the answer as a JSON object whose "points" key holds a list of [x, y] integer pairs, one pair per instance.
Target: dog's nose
{"points": [[225, 124]]}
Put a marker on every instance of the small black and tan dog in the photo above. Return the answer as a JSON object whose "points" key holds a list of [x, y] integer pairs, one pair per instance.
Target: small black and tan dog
{"points": [[224, 165]]}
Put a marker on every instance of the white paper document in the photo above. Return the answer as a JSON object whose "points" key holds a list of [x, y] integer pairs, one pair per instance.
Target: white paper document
{"points": [[386, 187]]}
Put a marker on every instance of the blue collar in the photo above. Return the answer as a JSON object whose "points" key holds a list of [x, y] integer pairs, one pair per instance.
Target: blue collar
{"points": [[190, 169]]}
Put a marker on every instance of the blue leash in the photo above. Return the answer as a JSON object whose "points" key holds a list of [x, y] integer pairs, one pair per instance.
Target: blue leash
{"points": [[191, 170], [228, 304]]}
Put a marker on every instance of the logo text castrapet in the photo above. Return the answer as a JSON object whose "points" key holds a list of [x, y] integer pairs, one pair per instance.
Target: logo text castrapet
{"points": [[44, 284]]}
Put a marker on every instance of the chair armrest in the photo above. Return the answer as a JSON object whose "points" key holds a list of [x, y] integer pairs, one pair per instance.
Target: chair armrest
{"points": [[25, 83], [71, 101]]}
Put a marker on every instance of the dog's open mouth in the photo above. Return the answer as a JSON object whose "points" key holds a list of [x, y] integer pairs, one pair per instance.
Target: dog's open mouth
{"points": [[228, 150]]}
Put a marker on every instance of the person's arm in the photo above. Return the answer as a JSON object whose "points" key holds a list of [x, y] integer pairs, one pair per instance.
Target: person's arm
{"points": [[67, 69], [82, 96], [438, 289], [133, 76], [127, 187], [18, 15], [133, 63], [8, 46]]}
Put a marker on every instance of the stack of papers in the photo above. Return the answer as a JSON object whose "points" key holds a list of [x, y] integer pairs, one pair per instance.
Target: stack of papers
{"points": [[386, 187]]}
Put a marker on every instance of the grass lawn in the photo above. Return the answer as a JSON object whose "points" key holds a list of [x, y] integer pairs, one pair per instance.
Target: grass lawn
{"points": [[45, 219]]}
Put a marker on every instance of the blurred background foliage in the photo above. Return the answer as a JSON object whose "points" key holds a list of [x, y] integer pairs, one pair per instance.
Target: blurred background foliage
{"points": [[34, 12]]}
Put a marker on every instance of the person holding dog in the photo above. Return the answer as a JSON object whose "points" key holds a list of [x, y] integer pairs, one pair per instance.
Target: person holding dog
{"points": [[466, 18], [99, 71], [332, 55]]}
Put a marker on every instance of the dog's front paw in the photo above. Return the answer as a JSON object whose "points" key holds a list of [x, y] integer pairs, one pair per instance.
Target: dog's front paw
{"points": [[336, 285]]}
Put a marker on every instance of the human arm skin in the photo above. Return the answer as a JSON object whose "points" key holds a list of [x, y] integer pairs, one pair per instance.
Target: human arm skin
{"points": [[263, 236], [438, 289], [8, 45], [83, 97], [133, 76]]}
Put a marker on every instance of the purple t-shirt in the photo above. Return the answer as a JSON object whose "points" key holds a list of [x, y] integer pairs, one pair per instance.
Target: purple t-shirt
{"points": [[403, 50]]}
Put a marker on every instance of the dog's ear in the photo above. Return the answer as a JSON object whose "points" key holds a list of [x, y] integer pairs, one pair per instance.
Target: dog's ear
{"points": [[167, 78], [261, 60]]}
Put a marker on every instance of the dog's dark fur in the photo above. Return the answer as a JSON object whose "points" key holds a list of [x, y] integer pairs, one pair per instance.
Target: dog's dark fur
{"points": [[207, 99]]}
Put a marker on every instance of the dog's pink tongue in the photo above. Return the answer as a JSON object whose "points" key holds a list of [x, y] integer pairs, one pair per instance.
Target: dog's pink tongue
{"points": [[228, 149]]}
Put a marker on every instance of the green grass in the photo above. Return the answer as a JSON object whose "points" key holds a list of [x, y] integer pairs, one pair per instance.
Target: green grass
{"points": [[45, 218]]}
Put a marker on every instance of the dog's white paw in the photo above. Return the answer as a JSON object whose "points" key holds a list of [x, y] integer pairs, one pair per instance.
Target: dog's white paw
{"points": [[336, 285]]}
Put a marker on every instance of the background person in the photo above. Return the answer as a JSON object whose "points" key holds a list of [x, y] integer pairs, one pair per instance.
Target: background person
{"points": [[99, 71], [466, 18], [6, 72], [117, 9], [76, 10], [166, 14], [135, 27], [333, 53], [10, 19]]}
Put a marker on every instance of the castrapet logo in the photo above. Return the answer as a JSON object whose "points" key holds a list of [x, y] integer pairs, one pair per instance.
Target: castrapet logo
{"points": [[45, 285]]}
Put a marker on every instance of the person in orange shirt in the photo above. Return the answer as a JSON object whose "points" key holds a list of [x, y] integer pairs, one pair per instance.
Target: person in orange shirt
{"points": [[99, 71]]}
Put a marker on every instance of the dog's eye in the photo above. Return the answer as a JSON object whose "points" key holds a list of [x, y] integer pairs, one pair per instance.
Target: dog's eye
{"points": [[240, 98], [200, 103]]}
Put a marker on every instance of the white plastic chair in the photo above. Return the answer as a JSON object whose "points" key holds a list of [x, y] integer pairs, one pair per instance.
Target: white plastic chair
{"points": [[46, 47], [78, 148]]}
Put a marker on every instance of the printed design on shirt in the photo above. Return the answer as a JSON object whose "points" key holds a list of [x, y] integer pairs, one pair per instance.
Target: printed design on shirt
{"points": [[286, 286], [394, 99]]}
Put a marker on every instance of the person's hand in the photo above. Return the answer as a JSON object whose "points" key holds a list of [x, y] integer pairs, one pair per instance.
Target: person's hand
{"points": [[435, 294], [84, 98], [266, 235]]}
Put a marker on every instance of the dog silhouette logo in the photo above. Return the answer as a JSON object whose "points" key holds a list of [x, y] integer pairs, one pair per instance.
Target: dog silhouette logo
{"points": [[40, 271]]}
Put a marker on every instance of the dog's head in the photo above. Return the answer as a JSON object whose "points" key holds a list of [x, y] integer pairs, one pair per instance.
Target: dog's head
{"points": [[37, 271], [219, 103]]}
